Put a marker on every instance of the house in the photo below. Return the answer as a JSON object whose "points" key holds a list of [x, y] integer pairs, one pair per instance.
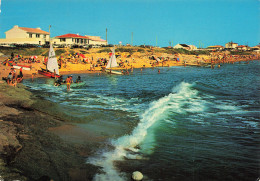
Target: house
{"points": [[70, 40], [96, 40], [257, 47], [243, 47], [183, 46], [193, 47], [23, 35], [76, 39], [216, 47], [231, 45]]}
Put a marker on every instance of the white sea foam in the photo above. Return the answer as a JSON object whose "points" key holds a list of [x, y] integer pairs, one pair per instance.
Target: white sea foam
{"points": [[157, 111]]}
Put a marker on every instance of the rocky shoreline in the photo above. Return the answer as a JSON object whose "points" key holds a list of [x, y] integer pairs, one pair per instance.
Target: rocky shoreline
{"points": [[28, 150]]}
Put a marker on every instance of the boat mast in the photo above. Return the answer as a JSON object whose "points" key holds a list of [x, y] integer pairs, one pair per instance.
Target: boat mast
{"points": [[50, 34], [112, 57], [49, 42]]}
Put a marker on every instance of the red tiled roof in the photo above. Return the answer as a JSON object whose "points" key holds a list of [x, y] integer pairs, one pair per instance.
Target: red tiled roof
{"points": [[70, 35], [34, 30], [241, 46]]}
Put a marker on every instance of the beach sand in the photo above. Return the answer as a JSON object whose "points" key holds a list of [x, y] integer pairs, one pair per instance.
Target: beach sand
{"points": [[73, 64]]}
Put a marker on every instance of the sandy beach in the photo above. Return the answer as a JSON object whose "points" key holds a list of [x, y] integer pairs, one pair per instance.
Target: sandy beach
{"points": [[94, 60]]}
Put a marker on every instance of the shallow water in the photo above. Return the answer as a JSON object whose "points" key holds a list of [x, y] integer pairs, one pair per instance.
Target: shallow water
{"points": [[186, 123]]}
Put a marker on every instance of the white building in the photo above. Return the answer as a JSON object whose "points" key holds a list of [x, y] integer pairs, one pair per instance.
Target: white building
{"points": [[23, 35], [70, 40], [76, 39], [193, 47], [183, 46], [96, 40], [231, 45]]}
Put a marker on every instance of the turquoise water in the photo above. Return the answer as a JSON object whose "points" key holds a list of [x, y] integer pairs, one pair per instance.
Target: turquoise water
{"points": [[186, 123]]}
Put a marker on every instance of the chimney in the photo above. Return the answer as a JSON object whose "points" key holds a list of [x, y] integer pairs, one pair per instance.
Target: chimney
{"points": [[38, 28], [16, 26]]}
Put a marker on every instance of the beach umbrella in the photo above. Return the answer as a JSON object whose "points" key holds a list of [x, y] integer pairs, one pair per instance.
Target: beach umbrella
{"points": [[8, 63]]}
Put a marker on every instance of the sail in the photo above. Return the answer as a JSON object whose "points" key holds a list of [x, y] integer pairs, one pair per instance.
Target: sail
{"points": [[52, 63], [112, 60]]}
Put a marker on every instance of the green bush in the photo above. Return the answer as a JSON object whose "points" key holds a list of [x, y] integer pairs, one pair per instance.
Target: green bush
{"points": [[83, 52], [201, 52], [71, 51], [24, 51], [140, 50], [59, 52], [46, 54], [122, 49], [107, 50]]}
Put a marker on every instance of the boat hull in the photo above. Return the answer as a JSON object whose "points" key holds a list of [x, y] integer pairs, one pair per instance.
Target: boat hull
{"points": [[114, 72], [23, 67], [47, 74]]}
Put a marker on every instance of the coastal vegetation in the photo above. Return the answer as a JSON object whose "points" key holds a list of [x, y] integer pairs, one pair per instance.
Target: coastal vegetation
{"points": [[106, 50], [60, 52], [24, 51], [39, 51], [183, 51]]}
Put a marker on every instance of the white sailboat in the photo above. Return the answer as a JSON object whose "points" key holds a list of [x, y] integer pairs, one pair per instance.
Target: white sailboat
{"points": [[112, 63], [52, 68], [52, 64]]}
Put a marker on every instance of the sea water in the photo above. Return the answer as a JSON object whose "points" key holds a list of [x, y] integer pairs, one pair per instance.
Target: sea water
{"points": [[186, 123]]}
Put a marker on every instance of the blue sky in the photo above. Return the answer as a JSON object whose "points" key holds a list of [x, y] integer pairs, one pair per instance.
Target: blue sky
{"points": [[198, 22]]}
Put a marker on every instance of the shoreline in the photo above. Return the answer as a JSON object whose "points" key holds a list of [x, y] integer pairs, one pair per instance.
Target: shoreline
{"points": [[95, 61]]}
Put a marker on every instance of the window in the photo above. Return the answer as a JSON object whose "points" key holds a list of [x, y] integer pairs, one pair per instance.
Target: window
{"points": [[62, 39], [37, 35], [30, 35], [44, 36]]}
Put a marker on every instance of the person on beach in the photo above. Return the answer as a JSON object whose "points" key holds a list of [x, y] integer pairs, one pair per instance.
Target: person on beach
{"points": [[19, 79], [9, 78], [13, 74], [54, 74], [21, 72], [33, 74], [78, 79], [69, 81], [59, 81]]}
